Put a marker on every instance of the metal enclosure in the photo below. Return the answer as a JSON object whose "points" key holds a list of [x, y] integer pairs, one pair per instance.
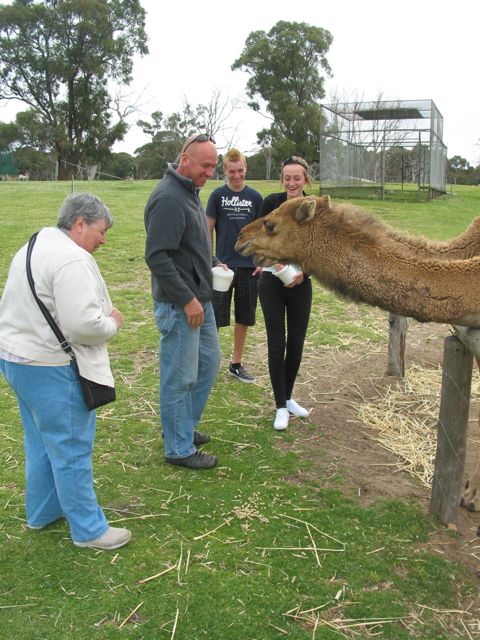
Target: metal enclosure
{"points": [[382, 147]]}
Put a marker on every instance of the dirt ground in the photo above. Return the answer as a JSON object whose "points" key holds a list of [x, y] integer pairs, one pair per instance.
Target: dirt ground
{"points": [[333, 382]]}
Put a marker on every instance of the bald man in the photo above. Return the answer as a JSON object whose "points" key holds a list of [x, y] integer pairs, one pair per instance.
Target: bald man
{"points": [[179, 256]]}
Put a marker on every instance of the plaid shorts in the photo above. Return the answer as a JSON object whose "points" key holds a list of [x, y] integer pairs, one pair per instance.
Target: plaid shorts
{"points": [[245, 293]]}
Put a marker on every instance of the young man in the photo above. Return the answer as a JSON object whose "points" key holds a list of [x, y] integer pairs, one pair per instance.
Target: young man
{"points": [[179, 256], [230, 208]]}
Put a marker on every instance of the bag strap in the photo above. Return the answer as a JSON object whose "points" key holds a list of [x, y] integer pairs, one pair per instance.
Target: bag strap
{"points": [[64, 343]]}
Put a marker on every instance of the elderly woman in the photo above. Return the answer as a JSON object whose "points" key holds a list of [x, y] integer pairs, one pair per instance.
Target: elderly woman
{"points": [[59, 429]]}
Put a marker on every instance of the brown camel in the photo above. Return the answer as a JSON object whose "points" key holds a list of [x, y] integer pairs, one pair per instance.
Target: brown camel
{"points": [[461, 247], [358, 256], [361, 258]]}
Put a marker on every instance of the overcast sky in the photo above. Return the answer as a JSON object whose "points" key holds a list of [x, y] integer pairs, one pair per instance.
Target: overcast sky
{"points": [[414, 49]]}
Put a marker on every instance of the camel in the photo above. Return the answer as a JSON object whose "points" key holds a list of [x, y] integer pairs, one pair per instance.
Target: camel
{"points": [[461, 247], [360, 257]]}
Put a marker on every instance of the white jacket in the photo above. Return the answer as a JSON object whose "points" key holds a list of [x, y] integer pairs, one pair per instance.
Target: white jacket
{"points": [[69, 283]]}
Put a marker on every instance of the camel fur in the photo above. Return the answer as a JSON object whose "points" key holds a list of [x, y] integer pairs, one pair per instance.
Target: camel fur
{"points": [[357, 255], [461, 247]]}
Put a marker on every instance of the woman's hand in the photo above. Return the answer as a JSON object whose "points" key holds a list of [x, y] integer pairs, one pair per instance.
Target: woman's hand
{"points": [[298, 279], [117, 316]]}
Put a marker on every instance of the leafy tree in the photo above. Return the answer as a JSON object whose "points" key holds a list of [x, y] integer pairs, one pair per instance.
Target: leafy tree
{"points": [[456, 167], [40, 165], [284, 66], [118, 165], [8, 136], [459, 171], [168, 133], [397, 162], [57, 57], [457, 163], [256, 167], [167, 136]]}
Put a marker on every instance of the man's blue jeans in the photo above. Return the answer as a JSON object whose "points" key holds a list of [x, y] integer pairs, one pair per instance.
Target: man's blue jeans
{"points": [[189, 362], [58, 433]]}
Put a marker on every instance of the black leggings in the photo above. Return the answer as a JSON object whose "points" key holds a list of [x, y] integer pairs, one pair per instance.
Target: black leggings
{"points": [[284, 351]]}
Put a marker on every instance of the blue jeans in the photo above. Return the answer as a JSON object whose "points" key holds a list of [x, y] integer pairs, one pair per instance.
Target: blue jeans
{"points": [[58, 434], [189, 362]]}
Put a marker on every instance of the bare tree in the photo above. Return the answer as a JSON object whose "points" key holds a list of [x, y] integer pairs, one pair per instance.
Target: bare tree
{"points": [[124, 104], [217, 116]]}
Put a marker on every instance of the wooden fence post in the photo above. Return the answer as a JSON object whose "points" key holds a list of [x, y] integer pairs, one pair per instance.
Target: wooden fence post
{"points": [[451, 431], [396, 345]]}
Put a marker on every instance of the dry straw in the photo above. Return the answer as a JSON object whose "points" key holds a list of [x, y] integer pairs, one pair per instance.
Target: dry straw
{"points": [[405, 418]]}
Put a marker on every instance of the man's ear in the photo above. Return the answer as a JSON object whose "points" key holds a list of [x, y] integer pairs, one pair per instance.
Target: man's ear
{"points": [[305, 210]]}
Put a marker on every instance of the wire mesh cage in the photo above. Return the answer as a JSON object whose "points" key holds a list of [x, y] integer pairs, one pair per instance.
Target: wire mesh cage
{"points": [[375, 148]]}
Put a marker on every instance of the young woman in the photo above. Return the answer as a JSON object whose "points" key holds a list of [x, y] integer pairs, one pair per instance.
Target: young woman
{"points": [[286, 308]]}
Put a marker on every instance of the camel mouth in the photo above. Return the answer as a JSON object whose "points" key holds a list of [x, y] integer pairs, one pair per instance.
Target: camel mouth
{"points": [[263, 261], [242, 247]]}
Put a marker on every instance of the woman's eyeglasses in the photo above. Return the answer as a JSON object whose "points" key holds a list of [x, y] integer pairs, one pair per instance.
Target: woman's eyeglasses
{"points": [[295, 160]]}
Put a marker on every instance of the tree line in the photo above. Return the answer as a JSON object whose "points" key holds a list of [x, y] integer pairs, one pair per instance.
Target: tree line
{"points": [[61, 58], [460, 171]]}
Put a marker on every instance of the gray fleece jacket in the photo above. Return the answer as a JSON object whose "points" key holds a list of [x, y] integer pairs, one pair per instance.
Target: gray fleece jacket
{"points": [[178, 250]]}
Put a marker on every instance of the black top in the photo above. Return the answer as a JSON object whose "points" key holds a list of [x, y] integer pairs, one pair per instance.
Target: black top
{"points": [[271, 202]]}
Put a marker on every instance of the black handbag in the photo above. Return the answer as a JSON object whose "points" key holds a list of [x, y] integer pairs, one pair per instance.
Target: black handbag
{"points": [[94, 394]]}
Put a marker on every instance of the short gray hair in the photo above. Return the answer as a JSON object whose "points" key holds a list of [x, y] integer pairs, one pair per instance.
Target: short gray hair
{"points": [[83, 205]]}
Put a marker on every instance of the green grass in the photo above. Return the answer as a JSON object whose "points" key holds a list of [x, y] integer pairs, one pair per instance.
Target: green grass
{"points": [[216, 536]]}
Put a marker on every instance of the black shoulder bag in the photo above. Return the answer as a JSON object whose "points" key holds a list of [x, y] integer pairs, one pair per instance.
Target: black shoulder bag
{"points": [[94, 394]]}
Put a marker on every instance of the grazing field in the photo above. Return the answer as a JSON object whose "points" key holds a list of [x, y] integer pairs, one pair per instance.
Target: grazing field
{"points": [[316, 532]]}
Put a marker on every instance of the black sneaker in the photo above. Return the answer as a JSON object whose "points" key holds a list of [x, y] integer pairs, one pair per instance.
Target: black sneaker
{"points": [[239, 372], [198, 460], [200, 438]]}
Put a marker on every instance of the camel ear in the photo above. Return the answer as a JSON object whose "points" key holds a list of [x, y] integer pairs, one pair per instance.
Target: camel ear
{"points": [[306, 210], [324, 202]]}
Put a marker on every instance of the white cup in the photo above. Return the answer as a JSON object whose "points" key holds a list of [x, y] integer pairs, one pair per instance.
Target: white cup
{"points": [[286, 274], [222, 278]]}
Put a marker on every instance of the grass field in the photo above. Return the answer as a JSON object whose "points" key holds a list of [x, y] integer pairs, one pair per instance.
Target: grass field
{"points": [[242, 551]]}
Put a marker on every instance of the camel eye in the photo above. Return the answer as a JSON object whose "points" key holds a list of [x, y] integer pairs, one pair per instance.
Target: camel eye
{"points": [[269, 226]]}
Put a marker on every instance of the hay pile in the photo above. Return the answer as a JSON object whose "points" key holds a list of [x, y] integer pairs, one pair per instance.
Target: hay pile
{"points": [[405, 419]]}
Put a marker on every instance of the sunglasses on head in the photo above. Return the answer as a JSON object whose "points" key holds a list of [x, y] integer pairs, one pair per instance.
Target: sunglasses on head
{"points": [[295, 160], [201, 137]]}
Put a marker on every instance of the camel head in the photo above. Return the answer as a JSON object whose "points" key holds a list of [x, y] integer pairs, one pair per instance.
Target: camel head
{"points": [[282, 235]]}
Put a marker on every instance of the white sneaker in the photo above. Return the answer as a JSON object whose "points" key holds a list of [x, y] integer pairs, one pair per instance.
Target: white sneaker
{"points": [[113, 538], [281, 420], [296, 410]]}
